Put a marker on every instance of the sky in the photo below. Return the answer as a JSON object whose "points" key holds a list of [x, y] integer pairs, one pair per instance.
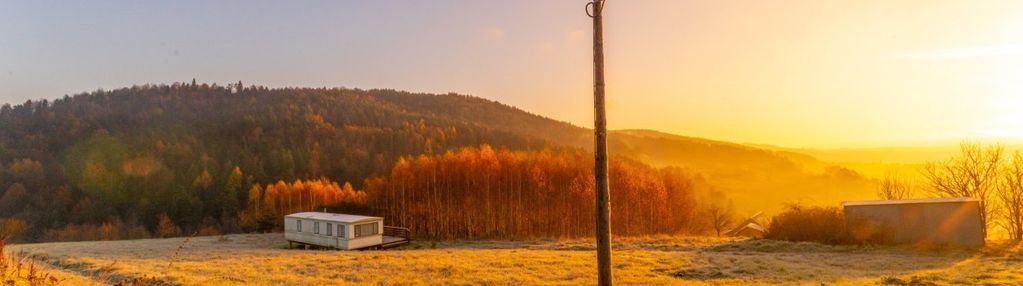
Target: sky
{"points": [[809, 74]]}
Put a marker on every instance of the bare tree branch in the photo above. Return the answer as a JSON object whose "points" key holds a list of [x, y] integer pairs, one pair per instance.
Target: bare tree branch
{"points": [[974, 173], [722, 215], [891, 187], [1010, 193]]}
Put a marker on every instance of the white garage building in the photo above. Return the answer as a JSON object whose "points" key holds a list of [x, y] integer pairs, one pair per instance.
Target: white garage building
{"points": [[944, 221], [341, 231]]}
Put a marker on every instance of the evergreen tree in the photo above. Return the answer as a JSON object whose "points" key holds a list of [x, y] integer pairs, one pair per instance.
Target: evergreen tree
{"points": [[228, 199]]}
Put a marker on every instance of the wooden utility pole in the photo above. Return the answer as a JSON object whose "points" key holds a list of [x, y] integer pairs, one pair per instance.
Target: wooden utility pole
{"points": [[596, 11]]}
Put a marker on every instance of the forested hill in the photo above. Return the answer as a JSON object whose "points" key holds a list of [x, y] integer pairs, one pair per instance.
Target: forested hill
{"points": [[192, 151], [275, 133], [140, 151]]}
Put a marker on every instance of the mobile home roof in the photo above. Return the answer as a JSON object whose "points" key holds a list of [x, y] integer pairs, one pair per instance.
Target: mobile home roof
{"points": [[907, 201], [345, 218]]}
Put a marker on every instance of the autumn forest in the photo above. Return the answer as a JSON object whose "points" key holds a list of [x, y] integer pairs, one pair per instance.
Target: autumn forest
{"points": [[189, 158]]}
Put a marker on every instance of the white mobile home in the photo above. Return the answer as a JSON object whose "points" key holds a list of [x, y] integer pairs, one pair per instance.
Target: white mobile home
{"points": [[339, 231]]}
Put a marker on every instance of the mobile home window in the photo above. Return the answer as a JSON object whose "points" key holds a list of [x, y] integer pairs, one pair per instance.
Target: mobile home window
{"points": [[299, 225], [316, 227], [366, 229], [330, 229], [341, 230]]}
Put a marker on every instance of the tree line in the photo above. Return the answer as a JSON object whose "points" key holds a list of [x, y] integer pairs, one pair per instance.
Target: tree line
{"points": [[486, 192], [499, 193], [139, 158], [268, 205], [985, 172], [190, 158]]}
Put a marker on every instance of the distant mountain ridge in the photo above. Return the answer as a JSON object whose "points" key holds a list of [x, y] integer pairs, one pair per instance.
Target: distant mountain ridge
{"points": [[743, 150]]}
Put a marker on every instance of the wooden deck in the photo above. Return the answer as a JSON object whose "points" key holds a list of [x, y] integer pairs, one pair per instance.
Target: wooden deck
{"points": [[395, 236], [391, 241], [392, 237]]}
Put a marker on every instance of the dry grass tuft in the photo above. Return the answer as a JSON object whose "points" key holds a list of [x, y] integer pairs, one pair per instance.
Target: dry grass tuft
{"points": [[19, 270]]}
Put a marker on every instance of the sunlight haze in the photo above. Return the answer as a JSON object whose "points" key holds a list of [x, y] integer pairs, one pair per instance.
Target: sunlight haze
{"points": [[521, 142], [815, 74]]}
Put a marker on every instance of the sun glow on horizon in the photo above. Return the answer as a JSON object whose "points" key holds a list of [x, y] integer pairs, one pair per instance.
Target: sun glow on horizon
{"points": [[860, 75], [814, 74]]}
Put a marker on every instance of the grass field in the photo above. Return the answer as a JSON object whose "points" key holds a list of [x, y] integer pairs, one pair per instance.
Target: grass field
{"points": [[261, 259]]}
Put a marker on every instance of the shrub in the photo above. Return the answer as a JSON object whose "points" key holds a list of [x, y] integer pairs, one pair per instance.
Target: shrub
{"points": [[802, 223], [11, 228], [166, 227], [114, 229]]}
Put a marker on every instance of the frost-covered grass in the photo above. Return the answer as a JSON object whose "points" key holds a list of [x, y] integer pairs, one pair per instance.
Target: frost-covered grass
{"points": [[261, 259], [16, 270]]}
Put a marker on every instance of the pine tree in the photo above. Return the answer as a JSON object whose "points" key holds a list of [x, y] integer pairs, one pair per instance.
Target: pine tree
{"points": [[228, 199], [166, 227]]}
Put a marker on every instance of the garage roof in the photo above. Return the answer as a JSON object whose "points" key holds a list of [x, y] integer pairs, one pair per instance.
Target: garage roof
{"points": [[908, 201]]}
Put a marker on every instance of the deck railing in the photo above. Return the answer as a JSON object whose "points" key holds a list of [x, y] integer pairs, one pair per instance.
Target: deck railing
{"points": [[397, 232]]}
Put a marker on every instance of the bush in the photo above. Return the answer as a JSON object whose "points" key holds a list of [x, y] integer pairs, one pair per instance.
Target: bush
{"points": [[11, 228], [111, 230], [817, 224]]}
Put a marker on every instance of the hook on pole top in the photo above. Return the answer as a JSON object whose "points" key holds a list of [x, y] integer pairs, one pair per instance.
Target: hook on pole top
{"points": [[590, 6]]}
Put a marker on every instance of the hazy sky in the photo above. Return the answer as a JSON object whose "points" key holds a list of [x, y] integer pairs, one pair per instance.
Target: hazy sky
{"points": [[794, 73]]}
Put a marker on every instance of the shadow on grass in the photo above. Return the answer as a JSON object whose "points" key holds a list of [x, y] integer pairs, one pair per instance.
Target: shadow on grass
{"points": [[104, 274], [646, 243]]}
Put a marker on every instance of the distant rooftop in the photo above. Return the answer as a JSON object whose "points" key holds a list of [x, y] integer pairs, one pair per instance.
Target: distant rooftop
{"points": [[345, 218], [908, 201]]}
